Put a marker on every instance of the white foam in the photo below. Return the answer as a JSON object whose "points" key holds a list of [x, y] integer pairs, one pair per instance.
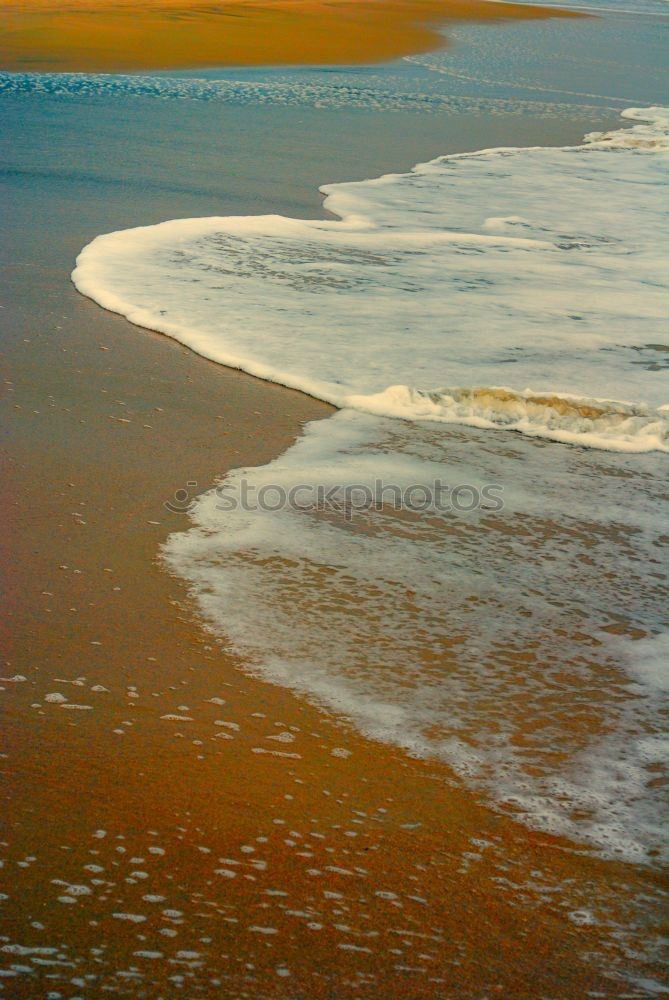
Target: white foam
{"points": [[593, 423], [468, 271], [648, 662]]}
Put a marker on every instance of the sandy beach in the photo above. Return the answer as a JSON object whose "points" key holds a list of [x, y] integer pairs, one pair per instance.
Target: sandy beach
{"points": [[172, 825], [124, 35]]}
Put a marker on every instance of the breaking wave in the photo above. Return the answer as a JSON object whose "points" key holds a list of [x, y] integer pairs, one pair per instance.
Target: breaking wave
{"points": [[505, 267], [593, 423]]}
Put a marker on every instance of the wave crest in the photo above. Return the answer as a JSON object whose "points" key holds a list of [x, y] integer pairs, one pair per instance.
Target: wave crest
{"points": [[593, 423]]}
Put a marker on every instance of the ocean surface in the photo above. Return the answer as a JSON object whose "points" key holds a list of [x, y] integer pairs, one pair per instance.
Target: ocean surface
{"points": [[469, 560]]}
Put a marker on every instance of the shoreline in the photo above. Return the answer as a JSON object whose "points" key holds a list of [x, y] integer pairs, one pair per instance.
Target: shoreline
{"points": [[369, 872], [127, 36]]}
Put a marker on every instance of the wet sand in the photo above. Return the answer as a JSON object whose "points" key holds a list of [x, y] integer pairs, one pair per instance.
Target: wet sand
{"points": [[125, 35]]}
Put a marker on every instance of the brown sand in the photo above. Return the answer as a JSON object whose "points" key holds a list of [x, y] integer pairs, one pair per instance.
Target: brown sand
{"points": [[374, 874], [111, 35]]}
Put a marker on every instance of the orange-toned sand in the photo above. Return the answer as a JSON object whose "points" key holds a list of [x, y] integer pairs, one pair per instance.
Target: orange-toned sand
{"points": [[110, 35]]}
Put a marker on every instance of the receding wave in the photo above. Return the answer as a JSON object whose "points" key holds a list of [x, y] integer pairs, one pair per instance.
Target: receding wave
{"points": [[524, 646]]}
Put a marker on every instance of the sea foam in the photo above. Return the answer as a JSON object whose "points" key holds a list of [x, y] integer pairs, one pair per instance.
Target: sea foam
{"points": [[533, 280], [482, 638]]}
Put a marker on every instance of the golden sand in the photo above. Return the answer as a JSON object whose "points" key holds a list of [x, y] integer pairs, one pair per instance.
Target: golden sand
{"points": [[113, 35]]}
